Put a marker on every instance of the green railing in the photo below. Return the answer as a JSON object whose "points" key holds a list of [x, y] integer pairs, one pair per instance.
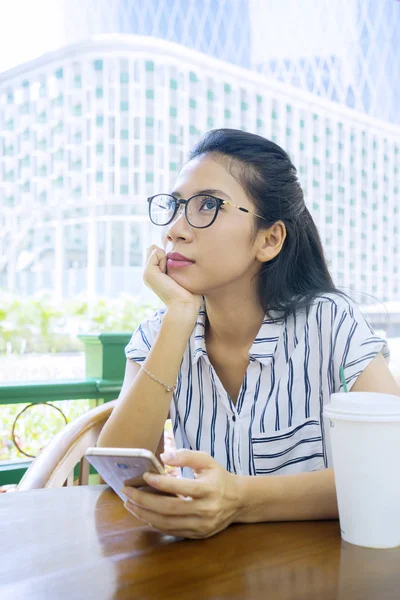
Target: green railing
{"points": [[104, 373]]}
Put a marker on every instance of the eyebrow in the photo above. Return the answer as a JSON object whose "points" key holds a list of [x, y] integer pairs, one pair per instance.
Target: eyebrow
{"points": [[209, 192]]}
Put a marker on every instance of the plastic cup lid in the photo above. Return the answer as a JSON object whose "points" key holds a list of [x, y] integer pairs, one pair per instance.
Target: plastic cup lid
{"points": [[364, 403]]}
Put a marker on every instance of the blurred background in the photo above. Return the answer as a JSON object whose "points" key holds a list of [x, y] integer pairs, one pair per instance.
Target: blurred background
{"points": [[100, 103]]}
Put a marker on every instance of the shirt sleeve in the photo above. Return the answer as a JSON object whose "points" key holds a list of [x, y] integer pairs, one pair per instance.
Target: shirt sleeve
{"points": [[142, 340], [354, 343]]}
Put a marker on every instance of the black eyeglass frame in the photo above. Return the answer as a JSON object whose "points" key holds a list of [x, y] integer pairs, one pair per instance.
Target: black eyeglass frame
{"points": [[185, 203]]}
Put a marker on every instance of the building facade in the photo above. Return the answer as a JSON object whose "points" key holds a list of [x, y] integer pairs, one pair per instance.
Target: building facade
{"points": [[89, 131], [347, 51]]}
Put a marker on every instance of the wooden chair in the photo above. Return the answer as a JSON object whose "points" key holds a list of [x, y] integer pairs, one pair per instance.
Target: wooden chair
{"points": [[54, 466]]}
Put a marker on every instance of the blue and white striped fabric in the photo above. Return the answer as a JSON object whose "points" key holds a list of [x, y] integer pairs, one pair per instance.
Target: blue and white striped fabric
{"points": [[276, 425]]}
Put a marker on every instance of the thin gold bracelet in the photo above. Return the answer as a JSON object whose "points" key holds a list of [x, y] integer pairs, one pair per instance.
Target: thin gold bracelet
{"points": [[169, 388]]}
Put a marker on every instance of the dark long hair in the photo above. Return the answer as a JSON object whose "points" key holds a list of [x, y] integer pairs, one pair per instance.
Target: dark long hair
{"points": [[299, 272]]}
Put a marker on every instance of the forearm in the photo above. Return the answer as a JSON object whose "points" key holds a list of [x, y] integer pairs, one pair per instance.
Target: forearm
{"points": [[139, 416], [299, 497]]}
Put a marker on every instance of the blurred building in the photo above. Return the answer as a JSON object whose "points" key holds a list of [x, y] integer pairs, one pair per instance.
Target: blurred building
{"points": [[88, 131], [347, 51]]}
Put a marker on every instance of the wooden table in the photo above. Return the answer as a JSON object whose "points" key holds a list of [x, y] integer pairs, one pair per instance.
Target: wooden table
{"points": [[80, 543]]}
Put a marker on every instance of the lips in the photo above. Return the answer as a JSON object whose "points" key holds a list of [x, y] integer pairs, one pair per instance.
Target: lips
{"points": [[176, 257], [178, 261]]}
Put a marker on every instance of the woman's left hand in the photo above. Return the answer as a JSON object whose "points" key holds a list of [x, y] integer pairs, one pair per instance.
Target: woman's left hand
{"points": [[206, 506]]}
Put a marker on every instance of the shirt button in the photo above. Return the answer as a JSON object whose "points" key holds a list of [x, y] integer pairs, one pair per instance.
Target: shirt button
{"points": [[233, 418]]}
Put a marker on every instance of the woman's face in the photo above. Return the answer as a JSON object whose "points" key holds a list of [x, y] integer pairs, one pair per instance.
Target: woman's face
{"points": [[223, 253]]}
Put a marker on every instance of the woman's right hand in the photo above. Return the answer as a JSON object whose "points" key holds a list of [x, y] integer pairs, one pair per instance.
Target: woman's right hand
{"points": [[173, 295]]}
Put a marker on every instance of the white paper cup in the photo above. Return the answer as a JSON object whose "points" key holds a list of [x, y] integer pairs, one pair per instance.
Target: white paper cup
{"points": [[364, 431]]}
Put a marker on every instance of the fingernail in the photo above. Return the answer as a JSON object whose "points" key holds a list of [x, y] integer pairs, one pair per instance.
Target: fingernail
{"points": [[170, 455], [150, 477]]}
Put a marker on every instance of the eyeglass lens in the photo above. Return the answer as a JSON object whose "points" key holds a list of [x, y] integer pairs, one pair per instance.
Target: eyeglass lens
{"points": [[200, 210]]}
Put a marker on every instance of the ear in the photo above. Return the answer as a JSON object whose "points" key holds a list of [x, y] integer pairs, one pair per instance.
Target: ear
{"points": [[270, 241]]}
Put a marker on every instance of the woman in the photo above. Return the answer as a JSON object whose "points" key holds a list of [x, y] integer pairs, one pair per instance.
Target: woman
{"points": [[247, 350]]}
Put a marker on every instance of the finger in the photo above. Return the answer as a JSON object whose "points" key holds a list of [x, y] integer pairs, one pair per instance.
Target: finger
{"points": [[163, 505], [180, 486], [195, 459], [163, 264], [150, 250], [157, 252], [152, 490], [155, 255], [184, 527], [172, 525]]}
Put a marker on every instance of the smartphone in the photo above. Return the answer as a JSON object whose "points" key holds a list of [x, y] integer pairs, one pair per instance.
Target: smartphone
{"points": [[123, 466]]}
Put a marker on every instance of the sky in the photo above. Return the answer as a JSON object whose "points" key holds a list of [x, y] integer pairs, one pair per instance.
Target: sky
{"points": [[28, 29]]}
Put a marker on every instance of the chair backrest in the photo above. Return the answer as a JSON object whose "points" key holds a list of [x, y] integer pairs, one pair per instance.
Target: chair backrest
{"points": [[54, 465]]}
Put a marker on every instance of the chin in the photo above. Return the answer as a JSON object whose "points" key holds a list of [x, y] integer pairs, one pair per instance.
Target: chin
{"points": [[183, 282]]}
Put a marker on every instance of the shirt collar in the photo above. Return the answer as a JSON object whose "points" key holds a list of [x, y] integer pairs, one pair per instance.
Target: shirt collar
{"points": [[264, 345]]}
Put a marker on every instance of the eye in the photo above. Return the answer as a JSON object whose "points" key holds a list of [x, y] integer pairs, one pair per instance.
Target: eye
{"points": [[207, 203], [170, 203]]}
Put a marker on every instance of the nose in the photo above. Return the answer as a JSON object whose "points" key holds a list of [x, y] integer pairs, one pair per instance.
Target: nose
{"points": [[179, 228]]}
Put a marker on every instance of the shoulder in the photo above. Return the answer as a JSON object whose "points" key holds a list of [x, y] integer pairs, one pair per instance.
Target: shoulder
{"points": [[340, 300], [154, 321], [349, 326], [329, 313], [336, 304], [145, 334], [152, 324]]}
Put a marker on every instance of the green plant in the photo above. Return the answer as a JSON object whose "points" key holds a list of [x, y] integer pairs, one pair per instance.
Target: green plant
{"points": [[36, 427], [44, 323]]}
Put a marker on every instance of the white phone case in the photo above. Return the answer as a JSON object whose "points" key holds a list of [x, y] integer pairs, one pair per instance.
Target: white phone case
{"points": [[123, 466]]}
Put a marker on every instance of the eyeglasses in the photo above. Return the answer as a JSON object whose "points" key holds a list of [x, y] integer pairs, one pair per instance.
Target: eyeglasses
{"points": [[200, 210]]}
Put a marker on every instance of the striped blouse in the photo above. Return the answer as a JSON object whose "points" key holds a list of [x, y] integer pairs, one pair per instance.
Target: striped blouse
{"points": [[276, 425]]}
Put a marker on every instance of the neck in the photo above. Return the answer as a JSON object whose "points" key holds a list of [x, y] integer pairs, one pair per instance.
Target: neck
{"points": [[233, 318]]}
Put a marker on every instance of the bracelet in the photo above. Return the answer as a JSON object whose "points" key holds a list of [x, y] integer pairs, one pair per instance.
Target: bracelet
{"points": [[169, 388]]}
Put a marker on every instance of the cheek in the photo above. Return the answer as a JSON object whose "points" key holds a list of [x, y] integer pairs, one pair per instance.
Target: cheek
{"points": [[231, 242], [227, 254]]}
